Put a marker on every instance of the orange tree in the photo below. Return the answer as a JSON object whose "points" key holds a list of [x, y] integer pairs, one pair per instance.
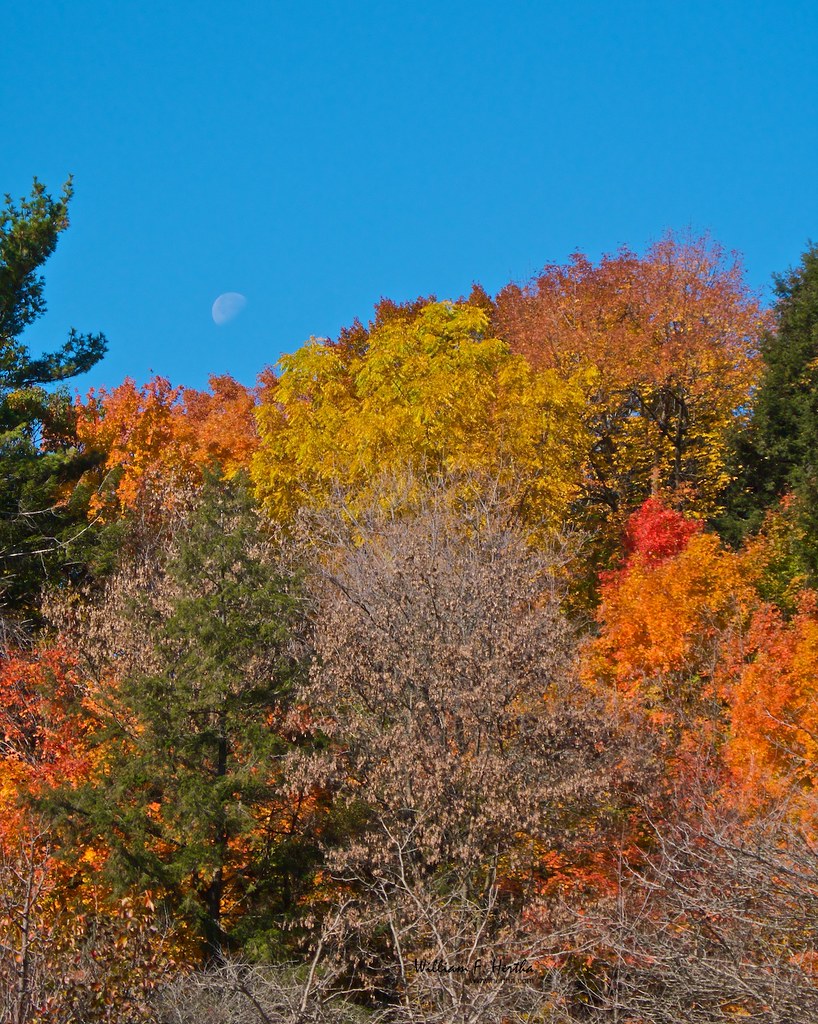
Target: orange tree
{"points": [[668, 617], [773, 741], [163, 431], [42, 742], [672, 338]]}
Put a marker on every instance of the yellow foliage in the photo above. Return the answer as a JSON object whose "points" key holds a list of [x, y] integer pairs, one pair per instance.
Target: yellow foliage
{"points": [[432, 395]]}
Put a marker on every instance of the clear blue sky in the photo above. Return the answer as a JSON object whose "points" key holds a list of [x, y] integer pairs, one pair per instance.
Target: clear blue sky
{"points": [[315, 156]]}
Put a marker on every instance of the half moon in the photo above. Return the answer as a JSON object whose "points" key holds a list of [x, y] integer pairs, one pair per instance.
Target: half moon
{"points": [[227, 307]]}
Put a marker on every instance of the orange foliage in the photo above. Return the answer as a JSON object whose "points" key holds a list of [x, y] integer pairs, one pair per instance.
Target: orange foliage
{"points": [[42, 745], [773, 744], [673, 339], [52, 908], [638, 318], [41, 736], [166, 431], [666, 614]]}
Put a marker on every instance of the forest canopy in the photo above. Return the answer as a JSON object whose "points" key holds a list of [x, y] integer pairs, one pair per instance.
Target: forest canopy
{"points": [[461, 669]]}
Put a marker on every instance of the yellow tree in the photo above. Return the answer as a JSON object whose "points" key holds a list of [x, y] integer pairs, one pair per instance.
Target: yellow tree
{"points": [[424, 394]]}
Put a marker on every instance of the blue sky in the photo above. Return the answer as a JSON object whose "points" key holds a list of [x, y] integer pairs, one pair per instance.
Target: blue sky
{"points": [[316, 156]]}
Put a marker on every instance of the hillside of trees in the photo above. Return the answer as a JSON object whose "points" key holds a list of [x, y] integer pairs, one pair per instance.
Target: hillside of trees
{"points": [[464, 669]]}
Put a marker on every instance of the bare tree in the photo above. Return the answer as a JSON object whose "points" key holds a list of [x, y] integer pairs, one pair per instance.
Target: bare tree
{"points": [[26, 936], [719, 923]]}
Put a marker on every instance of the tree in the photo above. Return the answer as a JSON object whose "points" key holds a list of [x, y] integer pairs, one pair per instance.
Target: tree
{"points": [[37, 446], [673, 339], [776, 454], [462, 754], [667, 618], [189, 655], [141, 434], [772, 747], [41, 740], [424, 392]]}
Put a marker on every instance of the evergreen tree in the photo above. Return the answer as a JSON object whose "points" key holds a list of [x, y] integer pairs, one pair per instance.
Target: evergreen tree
{"points": [[190, 724], [40, 510], [778, 453]]}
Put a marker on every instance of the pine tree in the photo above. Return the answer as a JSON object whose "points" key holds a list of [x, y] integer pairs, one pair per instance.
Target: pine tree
{"points": [[40, 513], [188, 802], [777, 454]]}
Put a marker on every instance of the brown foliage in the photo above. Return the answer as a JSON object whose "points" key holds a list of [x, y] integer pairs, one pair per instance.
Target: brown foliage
{"points": [[462, 747]]}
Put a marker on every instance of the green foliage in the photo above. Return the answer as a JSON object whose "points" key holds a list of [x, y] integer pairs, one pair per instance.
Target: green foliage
{"points": [[187, 800], [776, 453], [39, 518]]}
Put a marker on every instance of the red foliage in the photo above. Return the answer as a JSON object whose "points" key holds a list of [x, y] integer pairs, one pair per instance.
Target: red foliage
{"points": [[42, 735], [655, 532]]}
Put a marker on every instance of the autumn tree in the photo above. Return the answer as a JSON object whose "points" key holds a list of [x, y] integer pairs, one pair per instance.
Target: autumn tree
{"points": [[188, 653], [41, 740], [773, 555], [69, 949], [39, 521], [91, 958], [422, 392], [462, 750], [672, 338], [138, 434], [773, 747], [667, 623]]}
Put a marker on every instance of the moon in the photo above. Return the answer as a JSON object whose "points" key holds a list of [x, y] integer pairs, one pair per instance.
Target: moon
{"points": [[227, 307]]}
